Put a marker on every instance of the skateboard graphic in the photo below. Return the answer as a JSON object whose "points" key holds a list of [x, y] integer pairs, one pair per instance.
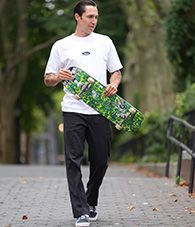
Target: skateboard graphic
{"points": [[114, 108]]}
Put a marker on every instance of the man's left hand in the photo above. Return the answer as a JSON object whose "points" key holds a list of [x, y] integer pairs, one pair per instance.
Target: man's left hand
{"points": [[111, 89]]}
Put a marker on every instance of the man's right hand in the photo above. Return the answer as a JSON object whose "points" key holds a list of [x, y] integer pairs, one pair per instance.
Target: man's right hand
{"points": [[52, 79], [64, 75]]}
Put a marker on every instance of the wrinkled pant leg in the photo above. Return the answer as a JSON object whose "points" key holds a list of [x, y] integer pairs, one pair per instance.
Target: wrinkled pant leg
{"points": [[74, 137], [99, 140]]}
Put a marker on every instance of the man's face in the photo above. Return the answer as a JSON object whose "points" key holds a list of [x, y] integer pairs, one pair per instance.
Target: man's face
{"points": [[87, 22]]}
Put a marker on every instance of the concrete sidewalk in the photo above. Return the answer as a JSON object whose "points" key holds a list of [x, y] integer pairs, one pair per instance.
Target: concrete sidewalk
{"points": [[37, 196]]}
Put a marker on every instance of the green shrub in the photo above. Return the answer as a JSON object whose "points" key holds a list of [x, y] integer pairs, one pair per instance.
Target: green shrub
{"points": [[180, 41], [185, 101], [150, 138]]}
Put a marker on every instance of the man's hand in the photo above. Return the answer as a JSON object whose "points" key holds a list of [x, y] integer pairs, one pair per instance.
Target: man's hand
{"points": [[52, 79], [111, 89], [64, 75], [115, 80]]}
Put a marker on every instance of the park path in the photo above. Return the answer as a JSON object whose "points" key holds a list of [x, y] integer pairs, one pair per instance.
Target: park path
{"points": [[37, 196]]}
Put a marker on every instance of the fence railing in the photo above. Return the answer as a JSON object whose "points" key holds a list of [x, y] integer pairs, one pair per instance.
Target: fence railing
{"points": [[181, 134]]}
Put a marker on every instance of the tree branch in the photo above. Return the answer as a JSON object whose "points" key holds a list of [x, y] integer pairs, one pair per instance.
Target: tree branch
{"points": [[29, 53], [2, 3], [6, 44], [21, 47]]}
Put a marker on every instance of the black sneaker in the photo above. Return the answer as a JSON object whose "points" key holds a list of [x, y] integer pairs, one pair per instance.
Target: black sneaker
{"points": [[93, 214], [82, 221]]}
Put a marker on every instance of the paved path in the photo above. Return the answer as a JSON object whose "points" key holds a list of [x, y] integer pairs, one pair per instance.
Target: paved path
{"points": [[37, 196]]}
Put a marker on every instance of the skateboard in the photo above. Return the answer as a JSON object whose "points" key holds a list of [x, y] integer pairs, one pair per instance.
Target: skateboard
{"points": [[114, 108]]}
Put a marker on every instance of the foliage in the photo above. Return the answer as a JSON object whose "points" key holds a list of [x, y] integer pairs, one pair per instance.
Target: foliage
{"points": [[152, 136], [45, 20], [185, 101], [180, 41], [155, 146], [113, 22], [155, 138], [153, 132]]}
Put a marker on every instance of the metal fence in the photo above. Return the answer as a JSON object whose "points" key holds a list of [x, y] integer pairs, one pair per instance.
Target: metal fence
{"points": [[181, 134]]}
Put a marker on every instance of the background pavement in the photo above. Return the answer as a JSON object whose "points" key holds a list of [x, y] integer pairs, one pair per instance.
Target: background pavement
{"points": [[37, 196]]}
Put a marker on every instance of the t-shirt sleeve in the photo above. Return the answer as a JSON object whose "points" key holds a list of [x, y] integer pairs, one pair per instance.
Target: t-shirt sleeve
{"points": [[53, 64], [114, 62]]}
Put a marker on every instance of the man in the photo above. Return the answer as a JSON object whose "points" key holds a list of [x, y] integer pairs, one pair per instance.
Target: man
{"points": [[95, 54]]}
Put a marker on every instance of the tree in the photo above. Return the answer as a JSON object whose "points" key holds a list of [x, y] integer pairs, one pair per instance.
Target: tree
{"points": [[14, 48], [48, 21], [16, 51], [147, 75]]}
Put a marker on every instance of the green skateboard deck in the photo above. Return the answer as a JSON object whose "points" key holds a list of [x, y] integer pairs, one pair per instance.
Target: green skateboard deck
{"points": [[114, 108]]}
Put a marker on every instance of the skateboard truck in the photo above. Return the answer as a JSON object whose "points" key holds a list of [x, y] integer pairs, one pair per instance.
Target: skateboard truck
{"points": [[132, 111], [84, 88]]}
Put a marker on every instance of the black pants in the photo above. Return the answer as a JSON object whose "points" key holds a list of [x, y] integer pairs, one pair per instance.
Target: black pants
{"points": [[95, 129]]}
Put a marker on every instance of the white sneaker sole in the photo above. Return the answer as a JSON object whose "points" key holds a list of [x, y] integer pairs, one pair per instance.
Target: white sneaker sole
{"points": [[93, 219]]}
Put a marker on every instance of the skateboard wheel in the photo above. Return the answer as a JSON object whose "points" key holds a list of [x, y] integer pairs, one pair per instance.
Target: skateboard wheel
{"points": [[90, 80], [79, 84], [132, 110], [77, 97], [118, 127]]}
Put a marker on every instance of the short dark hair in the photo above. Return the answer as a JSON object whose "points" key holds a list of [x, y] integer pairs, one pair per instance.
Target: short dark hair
{"points": [[80, 6]]}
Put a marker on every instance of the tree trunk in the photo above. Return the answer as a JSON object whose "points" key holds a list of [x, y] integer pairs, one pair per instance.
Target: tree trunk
{"points": [[13, 69], [28, 152], [11, 83], [8, 154], [147, 74]]}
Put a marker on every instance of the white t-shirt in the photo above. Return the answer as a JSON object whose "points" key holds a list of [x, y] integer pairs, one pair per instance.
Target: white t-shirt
{"points": [[95, 54]]}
